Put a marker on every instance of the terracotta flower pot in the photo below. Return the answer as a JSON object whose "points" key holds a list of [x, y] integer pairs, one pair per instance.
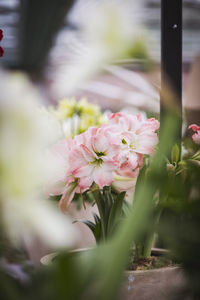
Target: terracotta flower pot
{"points": [[155, 284]]}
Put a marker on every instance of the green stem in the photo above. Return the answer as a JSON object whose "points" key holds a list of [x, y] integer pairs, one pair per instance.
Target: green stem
{"points": [[101, 214], [148, 240], [147, 245]]}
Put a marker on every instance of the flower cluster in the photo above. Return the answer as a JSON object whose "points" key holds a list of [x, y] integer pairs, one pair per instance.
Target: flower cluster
{"points": [[196, 135], [104, 155], [77, 116]]}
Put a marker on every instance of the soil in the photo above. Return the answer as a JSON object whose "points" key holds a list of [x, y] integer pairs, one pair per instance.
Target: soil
{"points": [[153, 262]]}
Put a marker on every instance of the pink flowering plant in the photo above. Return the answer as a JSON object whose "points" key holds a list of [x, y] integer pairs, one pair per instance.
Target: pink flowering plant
{"points": [[103, 164], [190, 152], [179, 164], [196, 135], [179, 202]]}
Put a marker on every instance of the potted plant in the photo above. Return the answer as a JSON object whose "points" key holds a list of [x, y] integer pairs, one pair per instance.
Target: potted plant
{"points": [[104, 165], [178, 210]]}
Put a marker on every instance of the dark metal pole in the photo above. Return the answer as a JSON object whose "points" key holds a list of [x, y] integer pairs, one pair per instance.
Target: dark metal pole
{"points": [[171, 59]]}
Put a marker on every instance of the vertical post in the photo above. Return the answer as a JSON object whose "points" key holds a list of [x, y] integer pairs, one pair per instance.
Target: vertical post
{"points": [[171, 58], [39, 23]]}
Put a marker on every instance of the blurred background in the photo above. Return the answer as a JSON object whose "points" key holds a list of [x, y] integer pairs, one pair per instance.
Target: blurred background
{"points": [[54, 42], [27, 42], [110, 55]]}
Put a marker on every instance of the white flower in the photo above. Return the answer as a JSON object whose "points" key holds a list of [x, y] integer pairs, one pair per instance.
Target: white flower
{"points": [[107, 32], [24, 136], [110, 28]]}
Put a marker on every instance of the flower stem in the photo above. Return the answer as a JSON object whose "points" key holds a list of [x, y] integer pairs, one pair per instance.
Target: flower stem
{"points": [[101, 213]]}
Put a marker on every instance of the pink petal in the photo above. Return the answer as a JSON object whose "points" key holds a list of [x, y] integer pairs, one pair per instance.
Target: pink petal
{"points": [[149, 125], [133, 160], [110, 165], [87, 154], [83, 138], [120, 119], [125, 186], [139, 117], [115, 116], [146, 143], [196, 137], [102, 177], [83, 171], [194, 127], [99, 141], [125, 170], [76, 159], [85, 182], [67, 197]]}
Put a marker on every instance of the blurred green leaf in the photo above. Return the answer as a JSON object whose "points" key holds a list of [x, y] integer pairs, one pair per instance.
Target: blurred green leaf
{"points": [[175, 154]]}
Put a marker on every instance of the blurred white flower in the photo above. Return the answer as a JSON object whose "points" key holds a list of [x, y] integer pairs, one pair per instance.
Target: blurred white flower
{"points": [[107, 31], [52, 128], [25, 133], [110, 28]]}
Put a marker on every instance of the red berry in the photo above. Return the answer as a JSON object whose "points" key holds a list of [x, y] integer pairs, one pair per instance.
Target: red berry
{"points": [[1, 51], [1, 34]]}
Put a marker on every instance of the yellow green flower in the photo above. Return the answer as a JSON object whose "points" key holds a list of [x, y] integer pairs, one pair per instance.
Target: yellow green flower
{"points": [[69, 110], [66, 108], [88, 108]]}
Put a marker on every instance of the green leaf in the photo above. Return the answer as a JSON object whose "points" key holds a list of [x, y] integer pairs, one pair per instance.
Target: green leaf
{"points": [[94, 227], [175, 154], [96, 218], [109, 201], [126, 208], [98, 232], [196, 156]]}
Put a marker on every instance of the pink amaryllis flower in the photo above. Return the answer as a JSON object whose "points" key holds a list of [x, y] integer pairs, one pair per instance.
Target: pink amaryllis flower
{"points": [[112, 153], [138, 135], [61, 180], [196, 135], [125, 179], [60, 175], [96, 159]]}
